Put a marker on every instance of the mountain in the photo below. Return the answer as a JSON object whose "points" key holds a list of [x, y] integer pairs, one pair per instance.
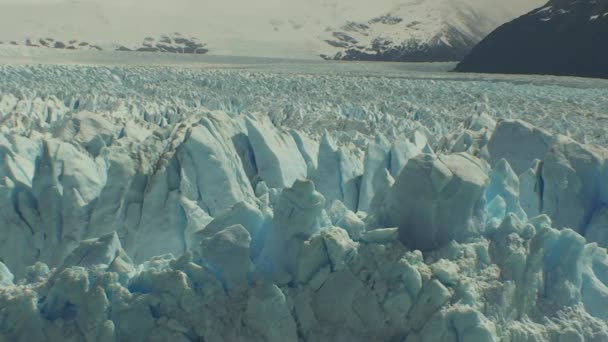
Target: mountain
{"points": [[169, 43], [112, 24], [73, 44], [173, 43], [564, 37], [268, 28], [419, 31]]}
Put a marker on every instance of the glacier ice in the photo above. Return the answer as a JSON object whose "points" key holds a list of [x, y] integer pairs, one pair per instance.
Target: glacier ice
{"points": [[519, 143], [505, 184], [437, 199], [227, 254], [141, 213], [6, 277], [574, 182]]}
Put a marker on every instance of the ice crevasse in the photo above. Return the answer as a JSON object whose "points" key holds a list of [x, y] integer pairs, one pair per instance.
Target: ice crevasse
{"points": [[225, 227]]}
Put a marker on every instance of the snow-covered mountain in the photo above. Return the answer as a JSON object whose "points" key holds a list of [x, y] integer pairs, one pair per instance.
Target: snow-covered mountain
{"points": [[270, 28], [51, 43], [564, 37], [419, 30], [170, 43]]}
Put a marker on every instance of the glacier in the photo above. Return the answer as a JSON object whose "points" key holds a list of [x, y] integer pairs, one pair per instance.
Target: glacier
{"points": [[245, 203]]}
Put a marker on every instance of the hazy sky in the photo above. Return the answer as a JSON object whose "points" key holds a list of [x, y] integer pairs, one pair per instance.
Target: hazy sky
{"points": [[274, 6]]}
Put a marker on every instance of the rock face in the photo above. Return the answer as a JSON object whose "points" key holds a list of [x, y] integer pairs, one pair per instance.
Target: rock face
{"points": [[437, 199], [561, 38]]}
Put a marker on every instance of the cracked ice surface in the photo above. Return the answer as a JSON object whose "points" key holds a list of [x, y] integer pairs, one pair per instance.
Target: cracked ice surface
{"points": [[180, 204], [391, 101]]}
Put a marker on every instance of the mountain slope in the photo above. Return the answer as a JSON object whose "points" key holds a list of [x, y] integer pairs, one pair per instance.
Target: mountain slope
{"points": [[264, 28], [564, 37], [111, 24], [172, 43], [419, 30]]}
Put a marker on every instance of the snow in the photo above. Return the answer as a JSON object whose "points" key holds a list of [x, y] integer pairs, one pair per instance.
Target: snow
{"points": [[417, 24], [270, 28], [240, 200]]}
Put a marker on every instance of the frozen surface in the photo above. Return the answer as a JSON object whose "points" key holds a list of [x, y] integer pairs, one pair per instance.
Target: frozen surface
{"points": [[244, 200]]}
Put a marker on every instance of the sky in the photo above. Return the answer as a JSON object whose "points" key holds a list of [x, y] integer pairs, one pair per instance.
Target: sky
{"points": [[270, 7], [230, 26]]}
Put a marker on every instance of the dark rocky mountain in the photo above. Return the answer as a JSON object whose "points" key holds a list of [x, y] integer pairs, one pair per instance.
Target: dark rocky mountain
{"points": [[564, 37]]}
